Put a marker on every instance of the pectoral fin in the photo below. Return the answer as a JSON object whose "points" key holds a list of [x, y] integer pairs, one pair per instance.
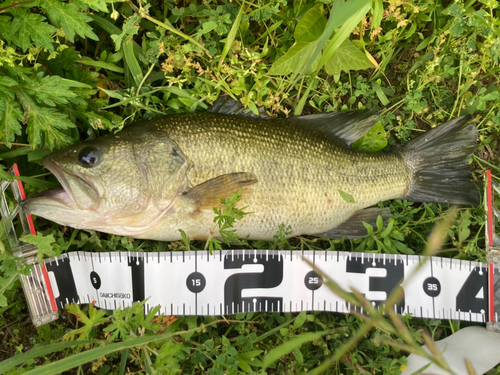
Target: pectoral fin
{"points": [[208, 194], [353, 227]]}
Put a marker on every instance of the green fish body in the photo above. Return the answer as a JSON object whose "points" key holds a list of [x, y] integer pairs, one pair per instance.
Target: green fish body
{"points": [[153, 179]]}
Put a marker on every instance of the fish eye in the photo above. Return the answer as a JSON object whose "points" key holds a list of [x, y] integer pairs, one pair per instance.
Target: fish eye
{"points": [[89, 157]]}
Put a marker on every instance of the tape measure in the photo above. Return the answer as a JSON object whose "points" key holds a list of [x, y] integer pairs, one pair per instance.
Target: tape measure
{"points": [[236, 281]]}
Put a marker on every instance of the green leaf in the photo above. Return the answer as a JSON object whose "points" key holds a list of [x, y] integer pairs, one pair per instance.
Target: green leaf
{"points": [[294, 60], [43, 243], [45, 127], [402, 247], [185, 239], [67, 17], [311, 25], [48, 90], [7, 81], [97, 5], [208, 26], [347, 197], [98, 121], [130, 28], [183, 93], [388, 230], [27, 27], [349, 17], [299, 320], [380, 93], [491, 96], [5, 27], [11, 118], [347, 57], [374, 140], [95, 318], [380, 223], [369, 228]]}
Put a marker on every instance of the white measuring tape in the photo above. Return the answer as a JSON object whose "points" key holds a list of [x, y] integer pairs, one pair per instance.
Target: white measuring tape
{"points": [[234, 281]]}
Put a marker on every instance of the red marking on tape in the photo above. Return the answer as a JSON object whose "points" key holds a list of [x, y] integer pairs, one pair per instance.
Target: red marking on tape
{"points": [[489, 199], [19, 183], [49, 288], [23, 197], [32, 230]]}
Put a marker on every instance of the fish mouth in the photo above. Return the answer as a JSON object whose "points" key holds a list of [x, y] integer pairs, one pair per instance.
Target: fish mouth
{"points": [[64, 194], [59, 194], [61, 199]]}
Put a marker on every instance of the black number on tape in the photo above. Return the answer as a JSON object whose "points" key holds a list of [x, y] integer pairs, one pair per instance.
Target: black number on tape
{"points": [[64, 280], [137, 266], [432, 287], [95, 280], [271, 277], [196, 282], [469, 297], [395, 273], [313, 280]]}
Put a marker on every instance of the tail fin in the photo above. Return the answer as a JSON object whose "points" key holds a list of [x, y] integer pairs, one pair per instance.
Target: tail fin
{"points": [[437, 162]]}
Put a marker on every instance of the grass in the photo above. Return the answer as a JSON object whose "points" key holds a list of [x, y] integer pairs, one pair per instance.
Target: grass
{"points": [[418, 64]]}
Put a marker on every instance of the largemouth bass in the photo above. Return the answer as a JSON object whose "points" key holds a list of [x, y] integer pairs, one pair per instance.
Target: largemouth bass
{"points": [[157, 177]]}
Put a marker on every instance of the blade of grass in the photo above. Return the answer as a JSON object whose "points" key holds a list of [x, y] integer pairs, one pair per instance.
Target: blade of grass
{"points": [[101, 64], [131, 62], [231, 36], [290, 345], [35, 182], [123, 361], [79, 359], [19, 359]]}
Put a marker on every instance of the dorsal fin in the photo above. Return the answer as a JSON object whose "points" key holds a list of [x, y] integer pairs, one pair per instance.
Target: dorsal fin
{"points": [[228, 106], [347, 126]]}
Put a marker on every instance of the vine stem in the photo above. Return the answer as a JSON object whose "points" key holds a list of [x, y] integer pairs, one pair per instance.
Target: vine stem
{"points": [[14, 5], [143, 14]]}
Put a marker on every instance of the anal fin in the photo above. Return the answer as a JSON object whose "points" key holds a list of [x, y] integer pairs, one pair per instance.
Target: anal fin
{"points": [[208, 194], [353, 227]]}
